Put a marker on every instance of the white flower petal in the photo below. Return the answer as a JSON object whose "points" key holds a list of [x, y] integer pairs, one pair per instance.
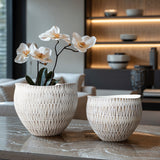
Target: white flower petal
{"points": [[57, 37], [45, 36], [54, 34], [49, 51], [42, 54], [41, 50], [44, 60], [45, 51], [21, 48], [90, 41], [32, 47], [76, 38], [35, 52], [85, 38], [76, 46], [66, 38], [83, 43], [55, 30], [20, 58]]}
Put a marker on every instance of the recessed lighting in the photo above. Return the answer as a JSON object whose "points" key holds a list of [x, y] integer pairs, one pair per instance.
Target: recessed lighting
{"points": [[125, 45], [126, 20]]}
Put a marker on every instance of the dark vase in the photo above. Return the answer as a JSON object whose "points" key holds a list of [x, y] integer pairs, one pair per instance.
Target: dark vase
{"points": [[142, 77], [153, 58], [137, 79]]}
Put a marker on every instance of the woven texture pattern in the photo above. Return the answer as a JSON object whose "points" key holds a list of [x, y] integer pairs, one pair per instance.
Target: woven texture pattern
{"points": [[113, 118], [45, 110]]}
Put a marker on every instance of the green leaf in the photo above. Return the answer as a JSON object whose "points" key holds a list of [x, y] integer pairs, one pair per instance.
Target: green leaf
{"points": [[29, 80], [48, 82], [51, 82], [41, 78], [48, 78], [49, 75]]}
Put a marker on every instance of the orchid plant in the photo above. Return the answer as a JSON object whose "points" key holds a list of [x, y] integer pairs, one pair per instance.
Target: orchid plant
{"points": [[43, 55]]}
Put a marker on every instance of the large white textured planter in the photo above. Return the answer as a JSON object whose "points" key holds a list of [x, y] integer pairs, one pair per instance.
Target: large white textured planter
{"points": [[114, 118], [45, 110]]}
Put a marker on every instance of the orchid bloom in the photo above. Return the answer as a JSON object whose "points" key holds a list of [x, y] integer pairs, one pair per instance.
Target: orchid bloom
{"points": [[54, 34], [83, 43], [42, 55], [23, 52]]}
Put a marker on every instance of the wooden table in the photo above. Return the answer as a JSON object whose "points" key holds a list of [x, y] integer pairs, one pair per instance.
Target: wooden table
{"points": [[77, 142]]}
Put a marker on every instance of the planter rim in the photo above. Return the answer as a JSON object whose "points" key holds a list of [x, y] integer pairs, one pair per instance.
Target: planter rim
{"points": [[52, 86], [125, 97]]}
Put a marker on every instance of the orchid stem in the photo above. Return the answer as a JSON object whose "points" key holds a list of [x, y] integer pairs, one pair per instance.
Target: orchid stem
{"points": [[52, 76], [37, 67], [63, 49], [71, 49], [57, 55], [37, 72], [56, 47]]}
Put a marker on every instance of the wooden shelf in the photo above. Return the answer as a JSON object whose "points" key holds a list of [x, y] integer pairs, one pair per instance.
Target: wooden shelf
{"points": [[107, 30], [130, 42], [109, 69], [126, 17]]}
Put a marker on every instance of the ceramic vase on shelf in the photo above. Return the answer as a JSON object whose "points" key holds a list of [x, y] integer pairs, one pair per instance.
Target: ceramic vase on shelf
{"points": [[114, 118], [142, 76], [45, 110], [153, 58]]}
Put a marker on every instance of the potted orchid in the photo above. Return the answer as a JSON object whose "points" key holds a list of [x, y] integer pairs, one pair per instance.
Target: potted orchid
{"points": [[43, 54], [43, 107]]}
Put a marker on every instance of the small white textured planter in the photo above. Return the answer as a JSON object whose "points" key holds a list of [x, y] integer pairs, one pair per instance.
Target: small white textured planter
{"points": [[45, 110], [114, 118]]}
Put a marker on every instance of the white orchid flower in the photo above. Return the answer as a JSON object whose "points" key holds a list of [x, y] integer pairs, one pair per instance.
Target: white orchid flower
{"points": [[42, 54], [83, 43], [54, 34], [23, 52]]}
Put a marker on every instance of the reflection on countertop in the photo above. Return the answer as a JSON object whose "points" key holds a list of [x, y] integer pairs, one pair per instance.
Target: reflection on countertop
{"points": [[78, 140]]}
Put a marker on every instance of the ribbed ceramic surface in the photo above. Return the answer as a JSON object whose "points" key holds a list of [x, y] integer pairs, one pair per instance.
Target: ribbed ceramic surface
{"points": [[45, 110], [114, 118]]}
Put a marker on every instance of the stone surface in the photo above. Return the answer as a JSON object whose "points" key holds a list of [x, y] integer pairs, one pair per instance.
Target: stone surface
{"points": [[78, 140]]}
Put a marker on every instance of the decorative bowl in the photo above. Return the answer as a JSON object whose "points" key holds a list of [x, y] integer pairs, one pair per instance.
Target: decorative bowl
{"points": [[45, 110], [134, 12], [114, 118], [118, 61], [110, 12], [118, 65], [128, 37]]}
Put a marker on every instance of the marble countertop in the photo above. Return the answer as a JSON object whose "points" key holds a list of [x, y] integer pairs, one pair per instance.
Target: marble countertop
{"points": [[78, 141]]}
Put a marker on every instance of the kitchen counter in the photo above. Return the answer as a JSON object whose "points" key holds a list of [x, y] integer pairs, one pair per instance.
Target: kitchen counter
{"points": [[78, 141]]}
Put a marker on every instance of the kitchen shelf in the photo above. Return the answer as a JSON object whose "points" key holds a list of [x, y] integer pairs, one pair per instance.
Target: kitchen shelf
{"points": [[130, 42], [126, 17], [107, 30]]}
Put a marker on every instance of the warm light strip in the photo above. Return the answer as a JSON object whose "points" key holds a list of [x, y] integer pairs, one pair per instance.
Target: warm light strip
{"points": [[125, 20], [100, 66], [125, 45]]}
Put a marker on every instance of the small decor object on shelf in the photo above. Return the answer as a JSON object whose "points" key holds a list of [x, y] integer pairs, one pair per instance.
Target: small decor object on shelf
{"points": [[151, 93], [134, 12], [142, 76], [128, 37], [110, 12], [45, 106], [114, 118], [118, 60], [153, 57], [138, 79]]}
